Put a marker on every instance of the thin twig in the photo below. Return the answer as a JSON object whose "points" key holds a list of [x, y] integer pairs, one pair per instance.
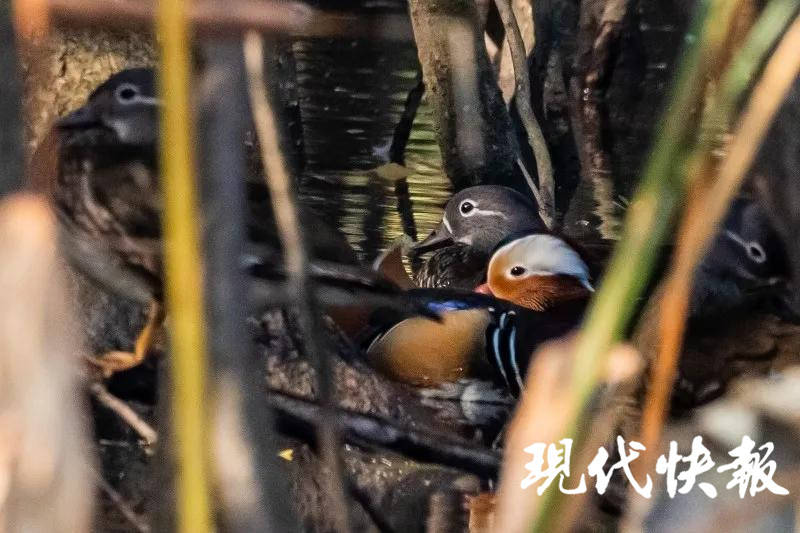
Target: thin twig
{"points": [[364, 499], [397, 149], [124, 411], [705, 211], [544, 166], [296, 261], [222, 18], [122, 506], [372, 223], [402, 132], [242, 424]]}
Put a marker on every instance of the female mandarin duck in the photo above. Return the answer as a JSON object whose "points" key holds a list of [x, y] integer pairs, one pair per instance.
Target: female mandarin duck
{"points": [[537, 288], [108, 201], [474, 222]]}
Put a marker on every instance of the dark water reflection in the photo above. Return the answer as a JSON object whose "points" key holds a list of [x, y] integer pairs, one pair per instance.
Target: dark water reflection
{"points": [[351, 95]]}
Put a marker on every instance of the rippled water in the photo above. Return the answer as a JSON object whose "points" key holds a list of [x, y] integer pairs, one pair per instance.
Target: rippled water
{"points": [[351, 95]]}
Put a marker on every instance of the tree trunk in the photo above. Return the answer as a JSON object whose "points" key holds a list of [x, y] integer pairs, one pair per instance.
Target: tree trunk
{"points": [[472, 123]]}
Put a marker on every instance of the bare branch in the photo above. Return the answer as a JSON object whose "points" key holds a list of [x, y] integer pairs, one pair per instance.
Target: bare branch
{"points": [[222, 18], [122, 506], [593, 79], [545, 193], [472, 124], [124, 411], [298, 417]]}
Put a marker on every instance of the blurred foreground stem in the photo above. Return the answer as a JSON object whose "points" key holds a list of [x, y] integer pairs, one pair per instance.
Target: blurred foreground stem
{"points": [[292, 238], [661, 192], [183, 272], [712, 192]]}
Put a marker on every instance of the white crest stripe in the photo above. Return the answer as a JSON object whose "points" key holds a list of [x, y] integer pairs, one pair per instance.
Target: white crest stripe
{"points": [[511, 343], [496, 349]]}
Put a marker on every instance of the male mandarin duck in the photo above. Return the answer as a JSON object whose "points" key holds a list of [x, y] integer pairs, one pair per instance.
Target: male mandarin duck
{"points": [[108, 200], [538, 271], [537, 289], [474, 222]]}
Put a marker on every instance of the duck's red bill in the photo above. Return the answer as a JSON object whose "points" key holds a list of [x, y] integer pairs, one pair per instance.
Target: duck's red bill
{"points": [[484, 289]]}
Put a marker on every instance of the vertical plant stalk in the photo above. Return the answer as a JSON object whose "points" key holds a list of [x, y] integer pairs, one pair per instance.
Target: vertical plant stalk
{"points": [[183, 272], [545, 191], [397, 150], [647, 223], [46, 447], [247, 473], [706, 209], [296, 261]]}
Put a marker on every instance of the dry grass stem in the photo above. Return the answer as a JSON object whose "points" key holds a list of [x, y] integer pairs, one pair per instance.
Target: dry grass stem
{"points": [[44, 449], [124, 411], [545, 192], [706, 209]]}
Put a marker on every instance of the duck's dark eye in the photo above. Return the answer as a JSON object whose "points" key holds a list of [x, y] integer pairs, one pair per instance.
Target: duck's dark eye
{"points": [[756, 252], [517, 271], [126, 93], [466, 207]]}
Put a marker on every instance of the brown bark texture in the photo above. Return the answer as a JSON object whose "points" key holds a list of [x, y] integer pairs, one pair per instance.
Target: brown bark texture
{"points": [[472, 123]]}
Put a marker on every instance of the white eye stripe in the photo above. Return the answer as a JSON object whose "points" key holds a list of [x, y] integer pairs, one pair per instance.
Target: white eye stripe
{"points": [[489, 212], [149, 100], [476, 211], [748, 246], [530, 273], [137, 97]]}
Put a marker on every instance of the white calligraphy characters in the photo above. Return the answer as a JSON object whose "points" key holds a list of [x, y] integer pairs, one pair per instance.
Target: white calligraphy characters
{"points": [[750, 470]]}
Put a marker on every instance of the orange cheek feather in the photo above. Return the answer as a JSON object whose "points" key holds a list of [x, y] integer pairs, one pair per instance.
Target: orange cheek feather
{"points": [[537, 292]]}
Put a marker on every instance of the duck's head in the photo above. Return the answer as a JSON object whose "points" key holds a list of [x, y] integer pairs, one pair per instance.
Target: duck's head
{"points": [[746, 260], [481, 217], [537, 271], [124, 106], [747, 247]]}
